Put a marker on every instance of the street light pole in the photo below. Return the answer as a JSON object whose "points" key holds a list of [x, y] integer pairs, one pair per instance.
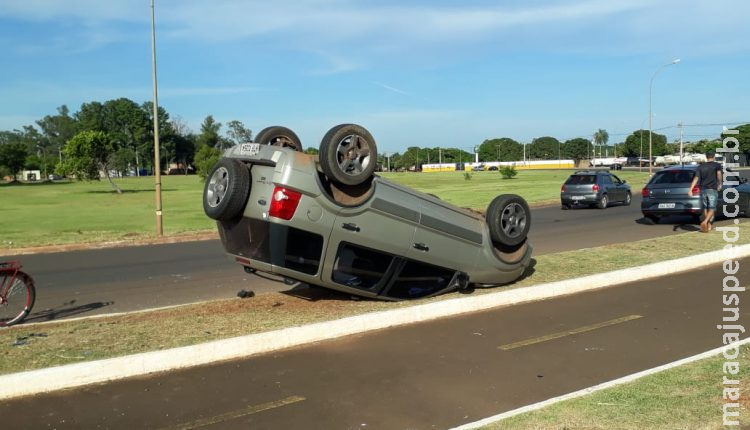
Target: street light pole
{"points": [[650, 88], [157, 162]]}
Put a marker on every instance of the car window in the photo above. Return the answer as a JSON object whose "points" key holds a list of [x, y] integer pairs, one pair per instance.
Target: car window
{"points": [[673, 177], [617, 180], [581, 180], [419, 280], [606, 179], [359, 267]]}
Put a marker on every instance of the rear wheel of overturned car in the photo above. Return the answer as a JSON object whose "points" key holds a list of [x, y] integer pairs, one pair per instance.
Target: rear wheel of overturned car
{"points": [[348, 154], [509, 219], [279, 136], [226, 190]]}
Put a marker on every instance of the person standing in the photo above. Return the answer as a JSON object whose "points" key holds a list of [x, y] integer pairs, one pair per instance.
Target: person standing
{"points": [[708, 176]]}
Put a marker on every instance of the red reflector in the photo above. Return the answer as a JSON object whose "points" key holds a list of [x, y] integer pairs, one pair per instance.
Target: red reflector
{"points": [[644, 192], [696, 190], [595, 188], [283, 203]]}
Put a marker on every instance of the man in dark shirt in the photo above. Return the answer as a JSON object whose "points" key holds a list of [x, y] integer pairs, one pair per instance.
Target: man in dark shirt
{"points": [[708, 176]]}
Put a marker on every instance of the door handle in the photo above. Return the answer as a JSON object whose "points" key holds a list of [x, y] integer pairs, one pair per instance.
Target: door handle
{"points": [[421, 247], [350, 226]]}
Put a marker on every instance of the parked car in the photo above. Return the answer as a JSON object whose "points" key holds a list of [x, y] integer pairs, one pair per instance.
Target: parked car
{"points": [[329, 221], [594, 189], [667, 194]]}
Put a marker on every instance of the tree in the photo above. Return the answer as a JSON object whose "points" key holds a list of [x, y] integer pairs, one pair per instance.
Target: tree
{"points": [[743, 139], [87, 154], [238, 133], [13, 156], [544, 148], [578, 149], [636, 144], [311, 151], [601, 137], [58, 129], [209, 135], [205, 159], [502, 149]]}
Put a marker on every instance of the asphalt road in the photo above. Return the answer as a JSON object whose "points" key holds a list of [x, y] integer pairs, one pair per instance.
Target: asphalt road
{"points": [[91, 282], [431, 375]]}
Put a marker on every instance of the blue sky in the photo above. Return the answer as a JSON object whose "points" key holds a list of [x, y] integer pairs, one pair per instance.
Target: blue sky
{"points": [[427, 73]]}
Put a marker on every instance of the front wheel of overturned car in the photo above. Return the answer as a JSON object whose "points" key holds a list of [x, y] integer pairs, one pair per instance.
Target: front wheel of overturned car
{"points": [[348, 154], [226, 190], [509, 219], [279, 136]]}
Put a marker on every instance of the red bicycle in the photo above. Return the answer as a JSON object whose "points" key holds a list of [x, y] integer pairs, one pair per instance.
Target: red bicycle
{"points": [[17, 293]]}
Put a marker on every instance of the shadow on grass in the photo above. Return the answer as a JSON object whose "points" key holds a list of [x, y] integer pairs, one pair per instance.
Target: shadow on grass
{"points": [[65, 310], [127, 191], [34, 184]]}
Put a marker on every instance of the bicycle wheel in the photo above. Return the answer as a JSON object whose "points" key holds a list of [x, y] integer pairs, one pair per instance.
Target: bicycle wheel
{"points": [[16, 298]]}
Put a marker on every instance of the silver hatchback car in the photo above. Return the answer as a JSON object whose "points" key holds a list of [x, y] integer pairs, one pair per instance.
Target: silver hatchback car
{"points": [[329, 221]]}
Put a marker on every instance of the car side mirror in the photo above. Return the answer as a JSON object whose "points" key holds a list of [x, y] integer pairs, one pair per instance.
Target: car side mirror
{"points": [[624, 182]]}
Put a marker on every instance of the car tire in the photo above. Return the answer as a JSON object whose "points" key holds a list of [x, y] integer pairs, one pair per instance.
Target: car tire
{"points": [[226, 190], [348, 154], [603, 202], [628, 199], [509, 219], [279, 136]]}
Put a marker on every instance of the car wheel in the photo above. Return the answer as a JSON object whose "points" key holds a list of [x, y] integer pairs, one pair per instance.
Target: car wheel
{"points": [[603, 202], [279, 136], [226, 190], [509, 219], [348, 154], [628, 198]]}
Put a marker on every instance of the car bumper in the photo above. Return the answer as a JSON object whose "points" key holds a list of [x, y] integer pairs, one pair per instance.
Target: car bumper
{"points": [[583, 199]]}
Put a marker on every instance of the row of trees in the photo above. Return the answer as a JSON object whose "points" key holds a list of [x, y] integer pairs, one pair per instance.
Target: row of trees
{"points": [[113, 137], [116, 137]]}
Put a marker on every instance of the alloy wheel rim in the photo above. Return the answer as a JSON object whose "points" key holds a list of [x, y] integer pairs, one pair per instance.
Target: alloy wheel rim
{"points": [[353, 155], [217, 187], [513, 220]]}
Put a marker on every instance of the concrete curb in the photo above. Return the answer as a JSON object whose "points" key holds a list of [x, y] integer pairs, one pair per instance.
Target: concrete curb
{"points": [[602, 386], [80, 374]]}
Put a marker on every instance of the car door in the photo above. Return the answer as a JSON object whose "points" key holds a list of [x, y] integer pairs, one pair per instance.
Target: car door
{"points": [[613, 194], [367, 239], [622, 188], [446, 237]]}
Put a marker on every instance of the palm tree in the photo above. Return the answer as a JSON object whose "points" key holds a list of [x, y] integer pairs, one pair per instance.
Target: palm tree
{"points": [[601, 137]]}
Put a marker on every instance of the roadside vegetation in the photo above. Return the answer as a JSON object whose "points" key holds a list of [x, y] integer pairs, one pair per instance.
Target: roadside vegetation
{"points": [[685, 397], [32, 346], [37, 214]]}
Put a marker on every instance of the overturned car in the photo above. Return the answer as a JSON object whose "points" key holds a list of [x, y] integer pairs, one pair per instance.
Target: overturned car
{"points": [[329, 221]]}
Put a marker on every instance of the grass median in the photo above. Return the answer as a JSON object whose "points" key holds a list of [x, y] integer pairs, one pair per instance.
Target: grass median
{"points": [[39, 214], [684, 397], [36, 346]]}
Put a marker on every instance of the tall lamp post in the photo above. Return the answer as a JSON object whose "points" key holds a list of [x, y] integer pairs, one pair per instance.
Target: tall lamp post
{"points": [[650, 88]]}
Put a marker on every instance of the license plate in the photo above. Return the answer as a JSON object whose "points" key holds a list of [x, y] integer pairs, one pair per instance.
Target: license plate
{"points": [[666, 205], [578, 197], [249, 149]]}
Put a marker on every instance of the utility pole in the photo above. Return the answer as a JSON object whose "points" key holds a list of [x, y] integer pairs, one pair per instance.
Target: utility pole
{"points": [[157, 162], [682, 162]]}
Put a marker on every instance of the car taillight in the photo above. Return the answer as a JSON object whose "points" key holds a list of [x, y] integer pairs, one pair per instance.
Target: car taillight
{"points": [[645, 192], [283, 203], [595, 188], [562, 189], [696, 190]]}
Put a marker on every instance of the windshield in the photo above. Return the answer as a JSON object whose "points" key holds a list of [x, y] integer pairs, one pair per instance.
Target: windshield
{"points": [[581, 180], [673, 177]]}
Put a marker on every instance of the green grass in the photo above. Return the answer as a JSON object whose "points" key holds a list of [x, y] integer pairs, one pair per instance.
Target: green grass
{"points": [[685, 397], [73, 212], [95, 338], [536, 186], [58, 213]]}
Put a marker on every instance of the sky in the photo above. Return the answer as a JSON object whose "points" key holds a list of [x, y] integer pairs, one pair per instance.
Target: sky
{"points": [[434, 73]]}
